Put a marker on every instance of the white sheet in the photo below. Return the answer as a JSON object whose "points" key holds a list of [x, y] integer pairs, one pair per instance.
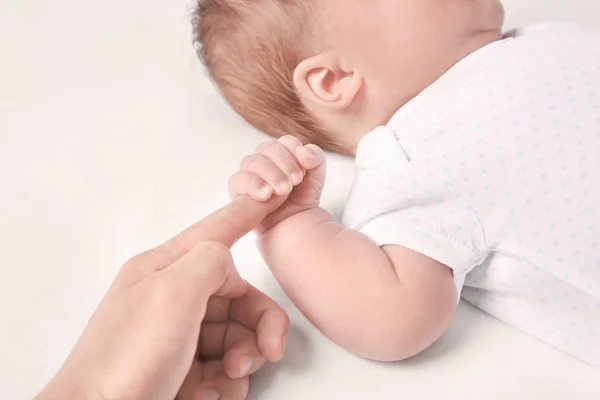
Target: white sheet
{"points": [[111, 140]]}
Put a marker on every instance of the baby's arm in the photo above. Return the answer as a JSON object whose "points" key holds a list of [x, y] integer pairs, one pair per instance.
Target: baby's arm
{"points": [[380, 303], [384, 304]]}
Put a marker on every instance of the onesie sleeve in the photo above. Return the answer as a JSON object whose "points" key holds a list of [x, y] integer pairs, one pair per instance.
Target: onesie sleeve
{"points": [[395, 202]]}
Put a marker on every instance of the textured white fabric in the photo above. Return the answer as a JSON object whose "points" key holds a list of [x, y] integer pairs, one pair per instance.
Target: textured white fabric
{"points": [[494, 170]]}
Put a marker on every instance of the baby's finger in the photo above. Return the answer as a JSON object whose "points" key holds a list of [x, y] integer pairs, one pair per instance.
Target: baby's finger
{"points": [[269, 172], [312, 158], [279, 155], [245, 182], [291, 143]]}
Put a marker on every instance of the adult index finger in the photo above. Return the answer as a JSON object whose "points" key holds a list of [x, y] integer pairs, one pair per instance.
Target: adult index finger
{"points": [[226, 226]]}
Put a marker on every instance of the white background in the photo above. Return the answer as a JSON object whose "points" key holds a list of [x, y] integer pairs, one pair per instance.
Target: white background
{"points": [[112, 139]]}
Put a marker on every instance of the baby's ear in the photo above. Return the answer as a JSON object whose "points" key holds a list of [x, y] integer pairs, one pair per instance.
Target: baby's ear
{"points": [[323, 80]]}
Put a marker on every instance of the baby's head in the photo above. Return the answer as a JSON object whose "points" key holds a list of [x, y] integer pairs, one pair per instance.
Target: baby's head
{"points": [[329, 71]]}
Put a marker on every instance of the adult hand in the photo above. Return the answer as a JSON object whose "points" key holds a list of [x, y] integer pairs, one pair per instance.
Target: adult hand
{"points": [[178, 322]]}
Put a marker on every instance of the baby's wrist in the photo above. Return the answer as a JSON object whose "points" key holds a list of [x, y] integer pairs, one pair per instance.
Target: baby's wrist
{"points": [[281, 215], [292, 219]]}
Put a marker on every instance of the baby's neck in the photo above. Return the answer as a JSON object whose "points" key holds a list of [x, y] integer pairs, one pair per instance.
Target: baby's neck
{"points": [[385, 99]]}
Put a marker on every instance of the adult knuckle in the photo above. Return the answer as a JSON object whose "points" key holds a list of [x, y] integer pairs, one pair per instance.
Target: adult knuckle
{"points": [[138, 260], [215, 257], [148, 262], [214, 250]]}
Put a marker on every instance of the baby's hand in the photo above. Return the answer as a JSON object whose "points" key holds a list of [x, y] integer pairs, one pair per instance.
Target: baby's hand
{"points": [[284, 172]]}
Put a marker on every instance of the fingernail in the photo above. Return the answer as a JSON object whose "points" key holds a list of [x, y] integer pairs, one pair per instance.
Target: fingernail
{"points": [[245, 365], [266, 191], [297, 178], [208, 394]]}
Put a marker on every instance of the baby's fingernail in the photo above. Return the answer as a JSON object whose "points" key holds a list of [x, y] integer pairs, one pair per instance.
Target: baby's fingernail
{"points": [[297, 178], [245, 365], [266, 191], [208, 394]]}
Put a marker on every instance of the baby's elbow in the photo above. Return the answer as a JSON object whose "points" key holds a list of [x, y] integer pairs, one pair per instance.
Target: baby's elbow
{"points": [[402, 331], [399, 342]]}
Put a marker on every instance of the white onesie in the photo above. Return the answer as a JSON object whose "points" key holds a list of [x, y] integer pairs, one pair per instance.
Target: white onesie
{"points": [[494, 170]]}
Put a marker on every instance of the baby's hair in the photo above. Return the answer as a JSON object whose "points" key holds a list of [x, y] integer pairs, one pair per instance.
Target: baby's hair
{"points": [[251, 48]]}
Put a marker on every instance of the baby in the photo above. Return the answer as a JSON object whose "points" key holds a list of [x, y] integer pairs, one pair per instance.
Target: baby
{"points": [[478, 164]]}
